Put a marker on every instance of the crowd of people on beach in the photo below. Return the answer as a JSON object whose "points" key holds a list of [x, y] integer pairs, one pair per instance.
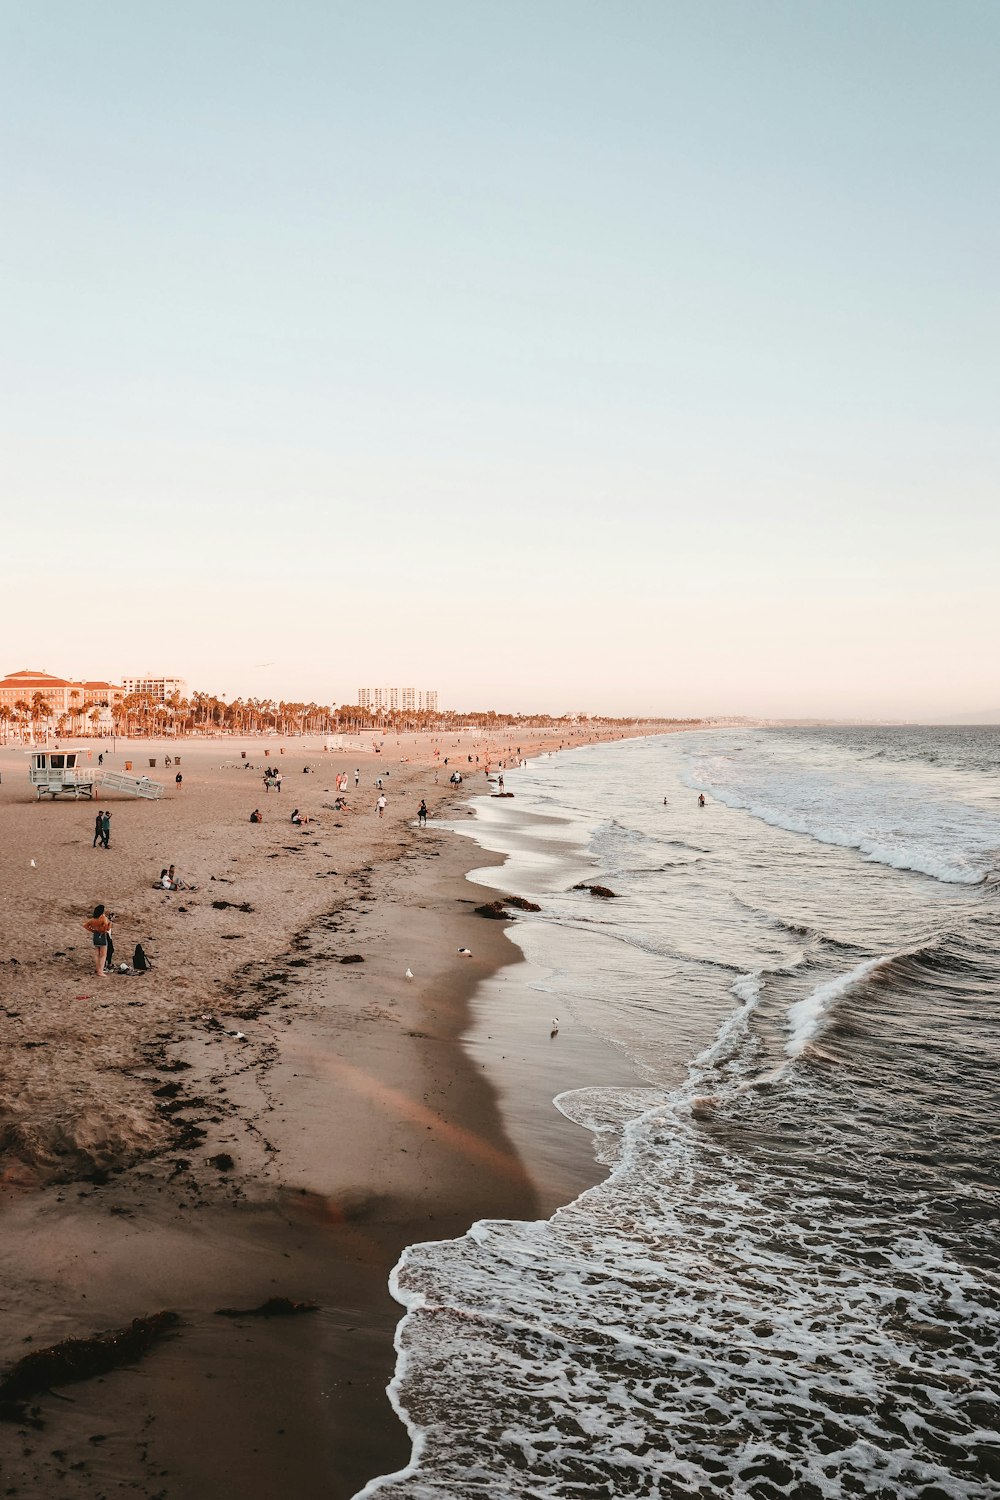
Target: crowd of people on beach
{"points": [[100, 922]]}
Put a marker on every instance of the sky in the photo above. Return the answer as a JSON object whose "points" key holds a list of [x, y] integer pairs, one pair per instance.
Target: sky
{"points": [[630, 358]]}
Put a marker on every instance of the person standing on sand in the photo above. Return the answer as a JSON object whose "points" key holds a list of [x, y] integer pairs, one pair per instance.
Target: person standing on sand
{"points": [[422, 814], [99, 926], [380, 804], [106, 829], [357, 778], [178, 781], [100, 759], [277, 781], [98, 830]]}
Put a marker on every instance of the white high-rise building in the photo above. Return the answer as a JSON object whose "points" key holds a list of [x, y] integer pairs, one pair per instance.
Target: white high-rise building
{"points": [[393, 699], [160, 688]]}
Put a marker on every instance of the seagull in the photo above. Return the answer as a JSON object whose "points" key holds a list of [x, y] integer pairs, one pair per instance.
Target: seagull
{"points": [[33, 865], [465, 952], [555, 1026], [408, 974]]}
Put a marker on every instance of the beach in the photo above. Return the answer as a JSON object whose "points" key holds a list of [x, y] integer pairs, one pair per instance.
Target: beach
{"points": [[273, 1111]]}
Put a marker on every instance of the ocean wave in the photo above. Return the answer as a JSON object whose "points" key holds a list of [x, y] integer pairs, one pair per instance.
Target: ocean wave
{"points": [[807, 1017], [928, 860], [944, 961]]}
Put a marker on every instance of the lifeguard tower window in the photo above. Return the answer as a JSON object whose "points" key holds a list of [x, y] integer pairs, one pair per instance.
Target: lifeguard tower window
{"points": [[58, 762]]}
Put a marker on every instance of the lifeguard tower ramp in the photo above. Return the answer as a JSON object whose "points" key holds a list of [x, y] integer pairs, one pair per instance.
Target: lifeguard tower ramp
{"points": [[130, 786]]}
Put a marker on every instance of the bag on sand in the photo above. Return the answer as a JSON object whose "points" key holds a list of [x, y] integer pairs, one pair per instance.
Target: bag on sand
{"points": [[140, 962]]}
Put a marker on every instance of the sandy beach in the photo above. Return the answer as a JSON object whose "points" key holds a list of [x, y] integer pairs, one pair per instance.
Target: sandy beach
{"points": [[254, 1118]]}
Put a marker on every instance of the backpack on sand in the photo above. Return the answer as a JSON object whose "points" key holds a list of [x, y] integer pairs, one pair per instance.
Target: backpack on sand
{"points": [[140, 962]]}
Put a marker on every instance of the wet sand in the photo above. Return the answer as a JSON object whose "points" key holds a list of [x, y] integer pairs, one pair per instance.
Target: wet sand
{"points": [[355, 1121]]}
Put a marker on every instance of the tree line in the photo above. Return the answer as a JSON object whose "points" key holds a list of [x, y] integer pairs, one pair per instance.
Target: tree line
{"points": [[141, 716]]}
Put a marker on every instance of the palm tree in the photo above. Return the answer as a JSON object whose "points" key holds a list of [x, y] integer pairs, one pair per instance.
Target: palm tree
{"points": [[41, 712]]}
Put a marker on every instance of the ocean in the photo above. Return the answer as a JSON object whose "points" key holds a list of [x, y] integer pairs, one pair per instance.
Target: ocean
{"points": [[789, 1281]]}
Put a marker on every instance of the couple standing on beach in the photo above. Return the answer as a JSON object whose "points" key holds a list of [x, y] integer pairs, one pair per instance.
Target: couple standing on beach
{"points": [[102, 830]]}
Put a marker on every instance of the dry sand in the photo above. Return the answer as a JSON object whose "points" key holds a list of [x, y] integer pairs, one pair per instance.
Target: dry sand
{"points": [[152, 1159]]}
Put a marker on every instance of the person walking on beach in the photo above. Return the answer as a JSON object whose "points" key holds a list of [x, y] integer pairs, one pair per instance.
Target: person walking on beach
{"points": [[422, 814], [357, 777], [106, 829], [178, 781], [277, 781], [380, 804], [98, 830], [100, 759], [99, 927]]}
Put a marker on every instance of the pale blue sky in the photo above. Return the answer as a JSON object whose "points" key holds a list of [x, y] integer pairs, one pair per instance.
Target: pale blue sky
{"points": [[622, 356]]}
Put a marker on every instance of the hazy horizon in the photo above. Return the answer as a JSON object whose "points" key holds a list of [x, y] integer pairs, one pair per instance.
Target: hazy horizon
{"points": [[634, 361]]}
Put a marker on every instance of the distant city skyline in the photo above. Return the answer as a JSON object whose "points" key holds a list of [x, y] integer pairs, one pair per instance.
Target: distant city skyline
{"points": [[638, 358]]}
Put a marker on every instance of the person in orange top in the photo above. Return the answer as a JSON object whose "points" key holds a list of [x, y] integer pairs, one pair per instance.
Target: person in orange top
{"points": [[100, 928]]}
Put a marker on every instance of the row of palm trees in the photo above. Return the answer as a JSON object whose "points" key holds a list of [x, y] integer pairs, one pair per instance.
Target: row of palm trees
{"points": [[140, 715], [30, 719]]}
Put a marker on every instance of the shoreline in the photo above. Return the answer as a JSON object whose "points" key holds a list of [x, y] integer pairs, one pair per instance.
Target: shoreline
{"points": [[357, 1119]]}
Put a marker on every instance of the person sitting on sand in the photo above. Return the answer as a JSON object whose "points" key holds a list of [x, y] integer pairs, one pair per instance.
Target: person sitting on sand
{"points": [[296, 816], [177, 883], [99, 926], [165, 881], [256, 816]]}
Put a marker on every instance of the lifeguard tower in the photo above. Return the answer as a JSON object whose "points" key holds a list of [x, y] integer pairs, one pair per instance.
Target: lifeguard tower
{"points": [[59, 773]]}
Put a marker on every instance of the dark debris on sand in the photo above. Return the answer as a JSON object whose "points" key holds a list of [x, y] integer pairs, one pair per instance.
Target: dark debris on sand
{"points": [[274, 1307], [498, 909], [78, 1359]]}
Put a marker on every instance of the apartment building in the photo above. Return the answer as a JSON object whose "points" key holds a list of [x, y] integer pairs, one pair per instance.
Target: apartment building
{"points": [[158, 688], [407, 699]]}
